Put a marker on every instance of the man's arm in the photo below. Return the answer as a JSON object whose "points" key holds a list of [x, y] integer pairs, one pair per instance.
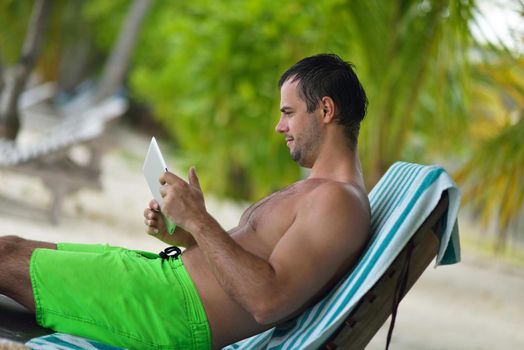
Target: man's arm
{"points": [[328, 232]]}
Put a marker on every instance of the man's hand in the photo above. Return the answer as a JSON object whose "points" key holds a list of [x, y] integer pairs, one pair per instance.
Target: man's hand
{"points": [[153, 220], [183, 201], [157, 228]]}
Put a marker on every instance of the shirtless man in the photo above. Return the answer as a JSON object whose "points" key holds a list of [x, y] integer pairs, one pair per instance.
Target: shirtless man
{"points": [[286, 252]]}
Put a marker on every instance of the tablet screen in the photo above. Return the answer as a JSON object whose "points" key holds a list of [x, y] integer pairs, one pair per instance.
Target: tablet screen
{"points": [[154, 167]]}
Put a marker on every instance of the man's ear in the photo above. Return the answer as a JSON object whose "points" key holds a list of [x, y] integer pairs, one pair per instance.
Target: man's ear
{"points": [[327, 109]]}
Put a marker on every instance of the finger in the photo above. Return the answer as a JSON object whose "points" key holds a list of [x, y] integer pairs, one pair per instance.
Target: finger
{"points": [[153, 205], [169, 178], [152, 226], [152, 231], [150, 213], [163, 192], [151, 222], [193, 178], [153, 215]]}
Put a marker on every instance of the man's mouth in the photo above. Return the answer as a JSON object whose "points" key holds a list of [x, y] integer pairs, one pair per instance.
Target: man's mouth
{"points": [[288, 140]]}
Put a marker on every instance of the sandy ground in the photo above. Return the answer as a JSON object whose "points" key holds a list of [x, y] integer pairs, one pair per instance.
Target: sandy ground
{"points": [[476, 304]]}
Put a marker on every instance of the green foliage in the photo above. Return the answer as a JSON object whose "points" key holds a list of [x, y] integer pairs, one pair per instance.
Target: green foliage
{"points": [[14, 18], [414, 77], [105, 19], [492, 177], [210, 71], [216, 66], [97, 27]]}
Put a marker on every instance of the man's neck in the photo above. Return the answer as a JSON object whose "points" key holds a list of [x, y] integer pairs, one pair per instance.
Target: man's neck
{"points": [[338, 164]]}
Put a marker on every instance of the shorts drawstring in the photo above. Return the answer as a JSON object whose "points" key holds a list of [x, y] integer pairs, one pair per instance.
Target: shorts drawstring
{"points": [[170, 252]]}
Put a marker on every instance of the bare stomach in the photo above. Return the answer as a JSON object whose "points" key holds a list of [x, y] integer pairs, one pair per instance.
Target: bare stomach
{"points": [[228, 321]]}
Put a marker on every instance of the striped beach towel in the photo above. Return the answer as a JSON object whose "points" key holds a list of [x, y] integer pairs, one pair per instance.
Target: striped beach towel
{"points": [[400, 202]]}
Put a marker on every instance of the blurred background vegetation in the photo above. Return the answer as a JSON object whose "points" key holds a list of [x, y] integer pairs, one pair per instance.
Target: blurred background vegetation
{"points": [[207, 72]]}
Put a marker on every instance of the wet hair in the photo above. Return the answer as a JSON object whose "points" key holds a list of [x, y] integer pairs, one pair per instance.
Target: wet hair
{"points": [[328, 75]]}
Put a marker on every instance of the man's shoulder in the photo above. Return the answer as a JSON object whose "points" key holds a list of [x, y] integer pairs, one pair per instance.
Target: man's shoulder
{"points": [[338, 195], [337, 209]]}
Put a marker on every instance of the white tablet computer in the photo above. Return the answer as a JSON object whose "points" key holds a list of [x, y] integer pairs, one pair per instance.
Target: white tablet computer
{"points": [[154, 167]]}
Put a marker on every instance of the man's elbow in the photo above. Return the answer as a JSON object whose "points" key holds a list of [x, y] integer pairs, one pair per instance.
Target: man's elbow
{"points": [[264, 317], [268, 313]]}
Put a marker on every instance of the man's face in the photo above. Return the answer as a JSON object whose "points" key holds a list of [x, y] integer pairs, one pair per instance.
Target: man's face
{"points": [[301, 129]]}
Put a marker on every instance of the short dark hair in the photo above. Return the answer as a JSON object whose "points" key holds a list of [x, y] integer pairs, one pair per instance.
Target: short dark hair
{"points": [[328, 75]]}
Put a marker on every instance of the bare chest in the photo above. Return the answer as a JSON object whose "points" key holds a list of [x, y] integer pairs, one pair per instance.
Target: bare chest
{"points": [[273, 211], [264, 223]]}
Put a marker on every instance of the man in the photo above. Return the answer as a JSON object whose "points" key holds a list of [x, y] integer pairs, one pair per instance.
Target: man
{"points": [[286, 252]]}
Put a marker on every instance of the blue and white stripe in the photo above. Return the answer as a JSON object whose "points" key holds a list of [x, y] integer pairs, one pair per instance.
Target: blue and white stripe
{"points": [[61, 341]]}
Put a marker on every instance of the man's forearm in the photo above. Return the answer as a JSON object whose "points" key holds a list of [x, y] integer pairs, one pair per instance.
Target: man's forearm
{"points": [[248, 279], [180, 237]]}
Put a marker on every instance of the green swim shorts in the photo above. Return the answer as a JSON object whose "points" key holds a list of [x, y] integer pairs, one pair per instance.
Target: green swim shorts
{"points": [[126, 298]]}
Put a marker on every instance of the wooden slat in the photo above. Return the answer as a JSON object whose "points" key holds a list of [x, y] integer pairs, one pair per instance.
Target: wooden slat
{"points": [[374, 308]]}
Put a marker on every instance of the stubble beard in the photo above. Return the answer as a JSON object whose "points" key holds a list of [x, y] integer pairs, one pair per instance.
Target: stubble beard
{"points": [[296, 155], [306, 146], [302, 156]]}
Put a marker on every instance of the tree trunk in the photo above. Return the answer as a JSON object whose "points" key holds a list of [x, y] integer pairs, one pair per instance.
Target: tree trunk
{"points": [[9, 117], [75, 59], [1, 74], [117, 65]]}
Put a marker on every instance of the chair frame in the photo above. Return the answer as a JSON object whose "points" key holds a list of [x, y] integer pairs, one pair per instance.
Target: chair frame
{"points": [[377, 304]]}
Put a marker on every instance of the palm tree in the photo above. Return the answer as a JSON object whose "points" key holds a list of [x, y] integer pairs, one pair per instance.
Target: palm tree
{"points": [[412, 56], [431, 85], [11, 90], [493, 176]]}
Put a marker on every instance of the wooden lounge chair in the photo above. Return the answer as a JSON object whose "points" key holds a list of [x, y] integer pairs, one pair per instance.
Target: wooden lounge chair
{"points": [[414, 211], [408, 202], [383, 298]]}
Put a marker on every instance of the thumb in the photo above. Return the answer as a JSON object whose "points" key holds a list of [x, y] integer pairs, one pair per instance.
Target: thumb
{"points": [[193, 178]]}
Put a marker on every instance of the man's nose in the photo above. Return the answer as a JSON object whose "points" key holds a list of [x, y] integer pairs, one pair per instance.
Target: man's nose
{"points": [[281, 126]]}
